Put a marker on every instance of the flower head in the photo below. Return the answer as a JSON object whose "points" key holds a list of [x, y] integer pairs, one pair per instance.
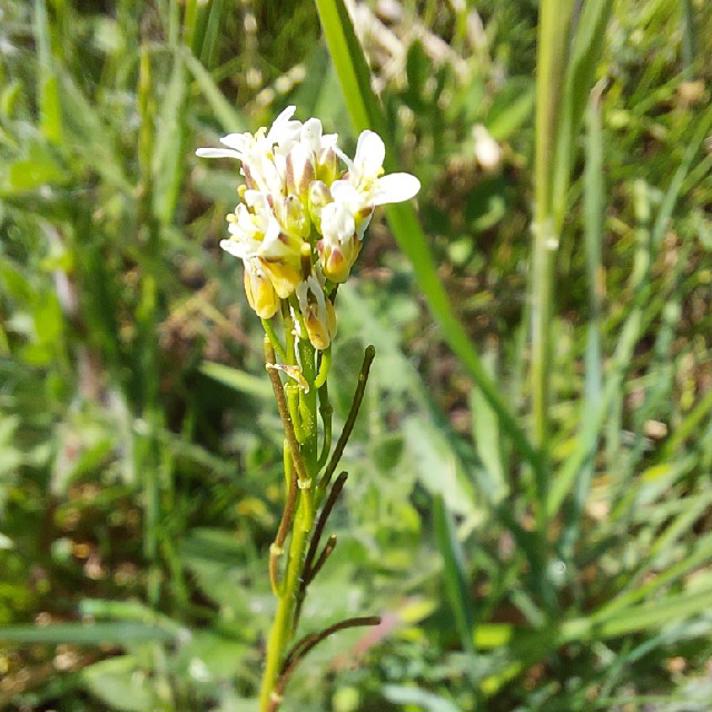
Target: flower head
{"points": [[302, 219]]}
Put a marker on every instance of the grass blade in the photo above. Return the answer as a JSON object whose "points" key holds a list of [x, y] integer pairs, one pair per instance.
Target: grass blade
{"points": [[485, 433], [585, 53], [237, 380], [47, 80], [115, 633], [168, 158], [455, 574], [593, 237], [631, 328], [230, 119]]}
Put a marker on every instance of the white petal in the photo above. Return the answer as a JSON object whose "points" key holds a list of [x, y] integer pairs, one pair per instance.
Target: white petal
{"points": [[233, 248], [370, 152], [343, 191], [283, 131], [272, 233], [395, 188], [337, 222], [239, 141], [285, 115], [257, 200], [301, 292], [343, 157], [218, 153], [311, 135], [299, 168], [363, 225]]}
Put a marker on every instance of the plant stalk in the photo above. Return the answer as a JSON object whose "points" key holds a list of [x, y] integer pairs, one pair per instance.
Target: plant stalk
{"points": [[283, 625], [551, 55], [303, 457]]}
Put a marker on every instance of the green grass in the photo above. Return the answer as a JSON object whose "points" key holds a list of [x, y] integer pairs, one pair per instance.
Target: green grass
{"points": [[139, 445]]}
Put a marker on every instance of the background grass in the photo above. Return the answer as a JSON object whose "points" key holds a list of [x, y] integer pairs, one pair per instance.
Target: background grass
{"points": [[139, 468]]}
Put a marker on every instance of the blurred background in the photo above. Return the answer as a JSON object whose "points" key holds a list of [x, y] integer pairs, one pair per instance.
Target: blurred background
{"points": [[139, 443]]}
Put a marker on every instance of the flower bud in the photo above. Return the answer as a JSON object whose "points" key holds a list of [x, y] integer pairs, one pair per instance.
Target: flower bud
{"points": [[300, 171], [339, 246], [321, 325], [319, 197], [317, 312], [337, 259], [284, 275], [327, 168], [296, 218], [259, 290]]}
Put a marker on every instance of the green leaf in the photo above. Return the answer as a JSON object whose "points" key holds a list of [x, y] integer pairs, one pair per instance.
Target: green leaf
{"points": [[37, 168], [240, 381], [168, 158], [89, 136], [511, 108], [85, 634], [485, 433], [593, 236], [437, 466], [230, 118], [455, 573], [585, 53], [48, 86], [212, 33], [426, 701], [653, 615], [121, 684]]}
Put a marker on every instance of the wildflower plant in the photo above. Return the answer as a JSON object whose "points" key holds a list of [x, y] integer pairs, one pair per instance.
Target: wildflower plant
{"points": [[305, 207]]}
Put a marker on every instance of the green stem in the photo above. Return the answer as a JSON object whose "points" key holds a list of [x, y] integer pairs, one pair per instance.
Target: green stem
{"points": [[303, 454], [551, 51], [276, 344], [368, 356], [283, 625], [326, 411], [553, 15], [552, 37]]}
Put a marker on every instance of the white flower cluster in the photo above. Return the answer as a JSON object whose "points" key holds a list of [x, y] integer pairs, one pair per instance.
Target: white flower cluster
{"points": [[301, 222]]}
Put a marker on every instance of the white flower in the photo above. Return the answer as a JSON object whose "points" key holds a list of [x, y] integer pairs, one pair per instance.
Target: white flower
{"points": [[366, 174], [254, 230], [256, 234], [298, 201]]}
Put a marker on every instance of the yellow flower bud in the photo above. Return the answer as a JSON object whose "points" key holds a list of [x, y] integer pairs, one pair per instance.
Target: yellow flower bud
{"points": [[321, 326], [337, 258], [317, 312], [284, 275], [259, 290], [327, 169]]}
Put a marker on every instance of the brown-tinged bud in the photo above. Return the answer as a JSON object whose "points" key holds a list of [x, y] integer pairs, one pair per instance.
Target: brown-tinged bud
{"points": [[260, 293]]}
